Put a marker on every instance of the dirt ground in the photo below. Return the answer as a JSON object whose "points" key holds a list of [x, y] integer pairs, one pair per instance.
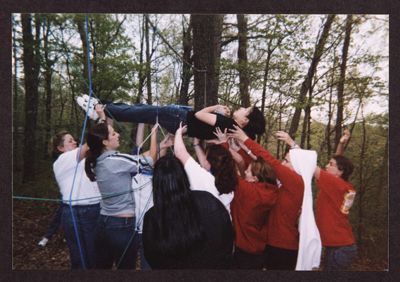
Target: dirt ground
{"points": [[30, 222]]}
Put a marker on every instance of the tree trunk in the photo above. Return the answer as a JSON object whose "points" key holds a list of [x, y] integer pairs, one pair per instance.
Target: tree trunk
{"points": [[16, 115], [47, 75], [186, 65], [207, 30], [81, 29], [340, 90], [362, 184], [142, 76], [148, 63], [243, 62], [306, 132], [306, 85], [31, 62]]}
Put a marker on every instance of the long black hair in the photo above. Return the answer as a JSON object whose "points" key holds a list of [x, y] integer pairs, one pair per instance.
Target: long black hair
{"points": [[223, 168], [95, 137], [178, 226]]}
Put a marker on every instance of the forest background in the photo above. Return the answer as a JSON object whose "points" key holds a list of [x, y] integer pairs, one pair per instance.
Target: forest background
{"points": [[311, 75]]}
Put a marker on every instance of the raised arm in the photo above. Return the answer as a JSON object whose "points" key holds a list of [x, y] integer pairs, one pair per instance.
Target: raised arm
{"points": [[152, 152], [206, 115], [180, 149], [83, 151], [201, 156], [167, 142], [284, 136], [99, 108], [342, 142]]}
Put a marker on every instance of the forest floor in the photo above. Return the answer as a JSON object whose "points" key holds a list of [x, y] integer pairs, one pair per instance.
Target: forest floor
{"points": [[30, 222]]}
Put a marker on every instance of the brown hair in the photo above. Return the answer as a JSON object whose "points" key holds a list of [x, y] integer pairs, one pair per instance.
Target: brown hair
{"points": [[223, 168], [263, 171], [344, 165], [56, 141], [95, 138]]}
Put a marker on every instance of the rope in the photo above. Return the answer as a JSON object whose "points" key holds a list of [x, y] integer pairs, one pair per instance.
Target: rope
{"points": [[83, 264]]}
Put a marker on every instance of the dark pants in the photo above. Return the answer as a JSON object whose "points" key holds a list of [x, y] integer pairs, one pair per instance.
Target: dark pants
{"points": [[168, 116], [55, 223], [86, 217], [339, 258], [280, 259], [144, 265], [244, 260], [116, 242]]}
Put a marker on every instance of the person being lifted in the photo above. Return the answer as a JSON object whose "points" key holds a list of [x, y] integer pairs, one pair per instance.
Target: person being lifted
{"points": [[200, 124]]}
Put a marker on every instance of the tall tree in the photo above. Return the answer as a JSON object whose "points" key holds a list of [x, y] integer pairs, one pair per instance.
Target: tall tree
{"points": [[141, 72], [340, 89], [207, 30], [80, 22], [48, 73], [243, 62], [148, 61], [186, 64], [31, 62], [306, 85]]}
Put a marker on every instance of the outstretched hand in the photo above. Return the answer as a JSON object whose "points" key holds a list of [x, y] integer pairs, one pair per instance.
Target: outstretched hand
{"points": [[181, 130], [237, 133], [99, 108], [345, 136], [284, 136], [221, 135], [223, 110]]}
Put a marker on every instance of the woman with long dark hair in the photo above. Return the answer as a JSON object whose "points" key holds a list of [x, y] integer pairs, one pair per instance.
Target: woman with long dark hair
{"points": [[185, 228], [115, 241]]}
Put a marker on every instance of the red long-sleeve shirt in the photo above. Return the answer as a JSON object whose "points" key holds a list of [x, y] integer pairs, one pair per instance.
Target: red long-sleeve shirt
{"points": [[250, 209], [334, 200], [283, 218]]}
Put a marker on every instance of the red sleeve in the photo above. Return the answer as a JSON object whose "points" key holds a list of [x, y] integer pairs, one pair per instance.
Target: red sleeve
{"points": [[225, 145], [289, 178], [260, 151], [246, 158]]}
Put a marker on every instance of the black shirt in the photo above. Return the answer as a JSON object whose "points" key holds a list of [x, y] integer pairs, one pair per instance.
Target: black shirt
{"points": [[214, 252], [202, 130]]}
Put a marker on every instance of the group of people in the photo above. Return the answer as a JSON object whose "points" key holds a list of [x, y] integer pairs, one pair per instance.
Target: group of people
{"points": [[236, 207]]}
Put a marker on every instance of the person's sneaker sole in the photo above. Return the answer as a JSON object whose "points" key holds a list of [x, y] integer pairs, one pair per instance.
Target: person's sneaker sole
{"points": [[93, 101], [83, 104]]}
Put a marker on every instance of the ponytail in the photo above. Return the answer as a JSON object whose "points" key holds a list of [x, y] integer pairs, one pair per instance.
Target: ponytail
{"points": [[95, 138]]}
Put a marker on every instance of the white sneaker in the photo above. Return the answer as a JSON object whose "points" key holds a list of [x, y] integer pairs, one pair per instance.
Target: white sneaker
{"points": [[93, 101], [84, 105], [43, 242]]}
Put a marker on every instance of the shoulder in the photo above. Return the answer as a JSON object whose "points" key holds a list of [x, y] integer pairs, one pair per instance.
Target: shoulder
{"points": [[66, 159], [227, 121]]}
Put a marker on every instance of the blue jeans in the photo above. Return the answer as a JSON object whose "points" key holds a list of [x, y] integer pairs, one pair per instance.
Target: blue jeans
{"points": [[116, 242], [169, 116], [55, 223], [86, 217], [339, 258]]}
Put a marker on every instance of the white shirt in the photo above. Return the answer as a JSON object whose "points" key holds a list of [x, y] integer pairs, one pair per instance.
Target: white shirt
{"points": [[83, 190], [202, 180]]}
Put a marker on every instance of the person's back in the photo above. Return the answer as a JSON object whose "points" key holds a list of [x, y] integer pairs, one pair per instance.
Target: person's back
{"points": [[214, 252]]}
